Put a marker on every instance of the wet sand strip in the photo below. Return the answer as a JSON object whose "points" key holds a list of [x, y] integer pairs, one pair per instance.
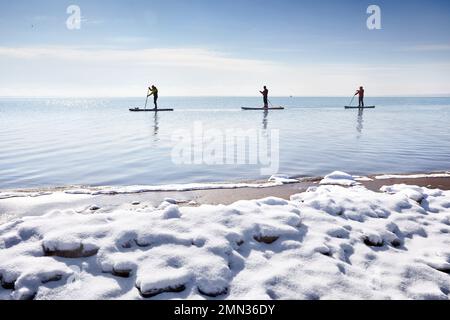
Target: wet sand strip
{"points": [[287, 190]]}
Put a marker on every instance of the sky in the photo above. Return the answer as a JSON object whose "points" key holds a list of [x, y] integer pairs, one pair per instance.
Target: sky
{"points": [[224, 48]]}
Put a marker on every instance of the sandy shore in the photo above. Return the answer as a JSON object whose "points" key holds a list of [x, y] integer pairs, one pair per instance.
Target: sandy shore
{"points": [[287, 190], [57, 200]]}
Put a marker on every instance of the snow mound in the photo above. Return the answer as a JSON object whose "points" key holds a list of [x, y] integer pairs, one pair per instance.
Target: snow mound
{"points": [[166, 250], [413, 176], [8, 195], [331, 242], [339, 178], [151, 283], [362, 178], [114, 190], [282, 178]]}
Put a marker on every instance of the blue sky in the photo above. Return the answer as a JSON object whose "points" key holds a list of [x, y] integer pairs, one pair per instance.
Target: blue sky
{"points": [[217, 47]]}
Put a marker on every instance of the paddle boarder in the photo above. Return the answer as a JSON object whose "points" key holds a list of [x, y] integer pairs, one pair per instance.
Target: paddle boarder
{"points": [[360, 93], [153, 91], [265, 94]]}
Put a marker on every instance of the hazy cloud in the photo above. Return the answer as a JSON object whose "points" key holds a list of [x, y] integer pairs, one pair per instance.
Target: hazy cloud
{"points": [[427, 48], [78, 71], [185, 57]]}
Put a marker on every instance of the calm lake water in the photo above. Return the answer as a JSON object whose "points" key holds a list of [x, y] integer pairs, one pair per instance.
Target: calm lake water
{"points": [[58, 142]]}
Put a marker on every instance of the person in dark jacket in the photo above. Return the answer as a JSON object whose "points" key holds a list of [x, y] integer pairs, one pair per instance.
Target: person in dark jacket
{"points": [[154, 91], [265, 94]]}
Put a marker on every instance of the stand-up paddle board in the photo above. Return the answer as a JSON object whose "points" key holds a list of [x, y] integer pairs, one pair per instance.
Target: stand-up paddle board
{"points": [[368, 107], [149, 110], [274, 108]]}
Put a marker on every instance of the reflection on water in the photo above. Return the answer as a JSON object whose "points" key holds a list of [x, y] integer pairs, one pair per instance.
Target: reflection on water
{"points": [[360, 121], [52, 142], [265, 121], [156, 126]]}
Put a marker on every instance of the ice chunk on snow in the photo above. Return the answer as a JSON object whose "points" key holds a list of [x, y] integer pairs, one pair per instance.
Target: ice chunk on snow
{"points": [[8, 195], [414, 193], [282, 178], [362, 178], [413, 176], [68, 246], [171, 212], [26, 278], [272, 201], [373, 240], [339, 178], [426, 290], [123, 268], [109, 190], [151, 283], [170, 200]]}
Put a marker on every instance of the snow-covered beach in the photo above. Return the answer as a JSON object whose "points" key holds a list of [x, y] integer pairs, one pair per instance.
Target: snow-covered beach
{"points": [[224, 159], [342, 237]]}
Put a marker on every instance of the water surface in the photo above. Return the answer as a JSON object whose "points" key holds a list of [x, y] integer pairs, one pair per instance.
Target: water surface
{"points": [[59, 142]]}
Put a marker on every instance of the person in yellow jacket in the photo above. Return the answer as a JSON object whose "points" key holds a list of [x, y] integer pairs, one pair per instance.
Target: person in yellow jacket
{"points": [[153, 91]]}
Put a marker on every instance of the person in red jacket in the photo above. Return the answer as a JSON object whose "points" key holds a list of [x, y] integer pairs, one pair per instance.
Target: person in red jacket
{"points": [[360, 92]]}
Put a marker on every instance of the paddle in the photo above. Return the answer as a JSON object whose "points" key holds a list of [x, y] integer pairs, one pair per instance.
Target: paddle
{"points": [[352, 100], [271, 104], [146, 100]]}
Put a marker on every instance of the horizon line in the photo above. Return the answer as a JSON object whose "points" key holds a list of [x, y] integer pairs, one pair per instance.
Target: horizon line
{"points": [[443, 95]]}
